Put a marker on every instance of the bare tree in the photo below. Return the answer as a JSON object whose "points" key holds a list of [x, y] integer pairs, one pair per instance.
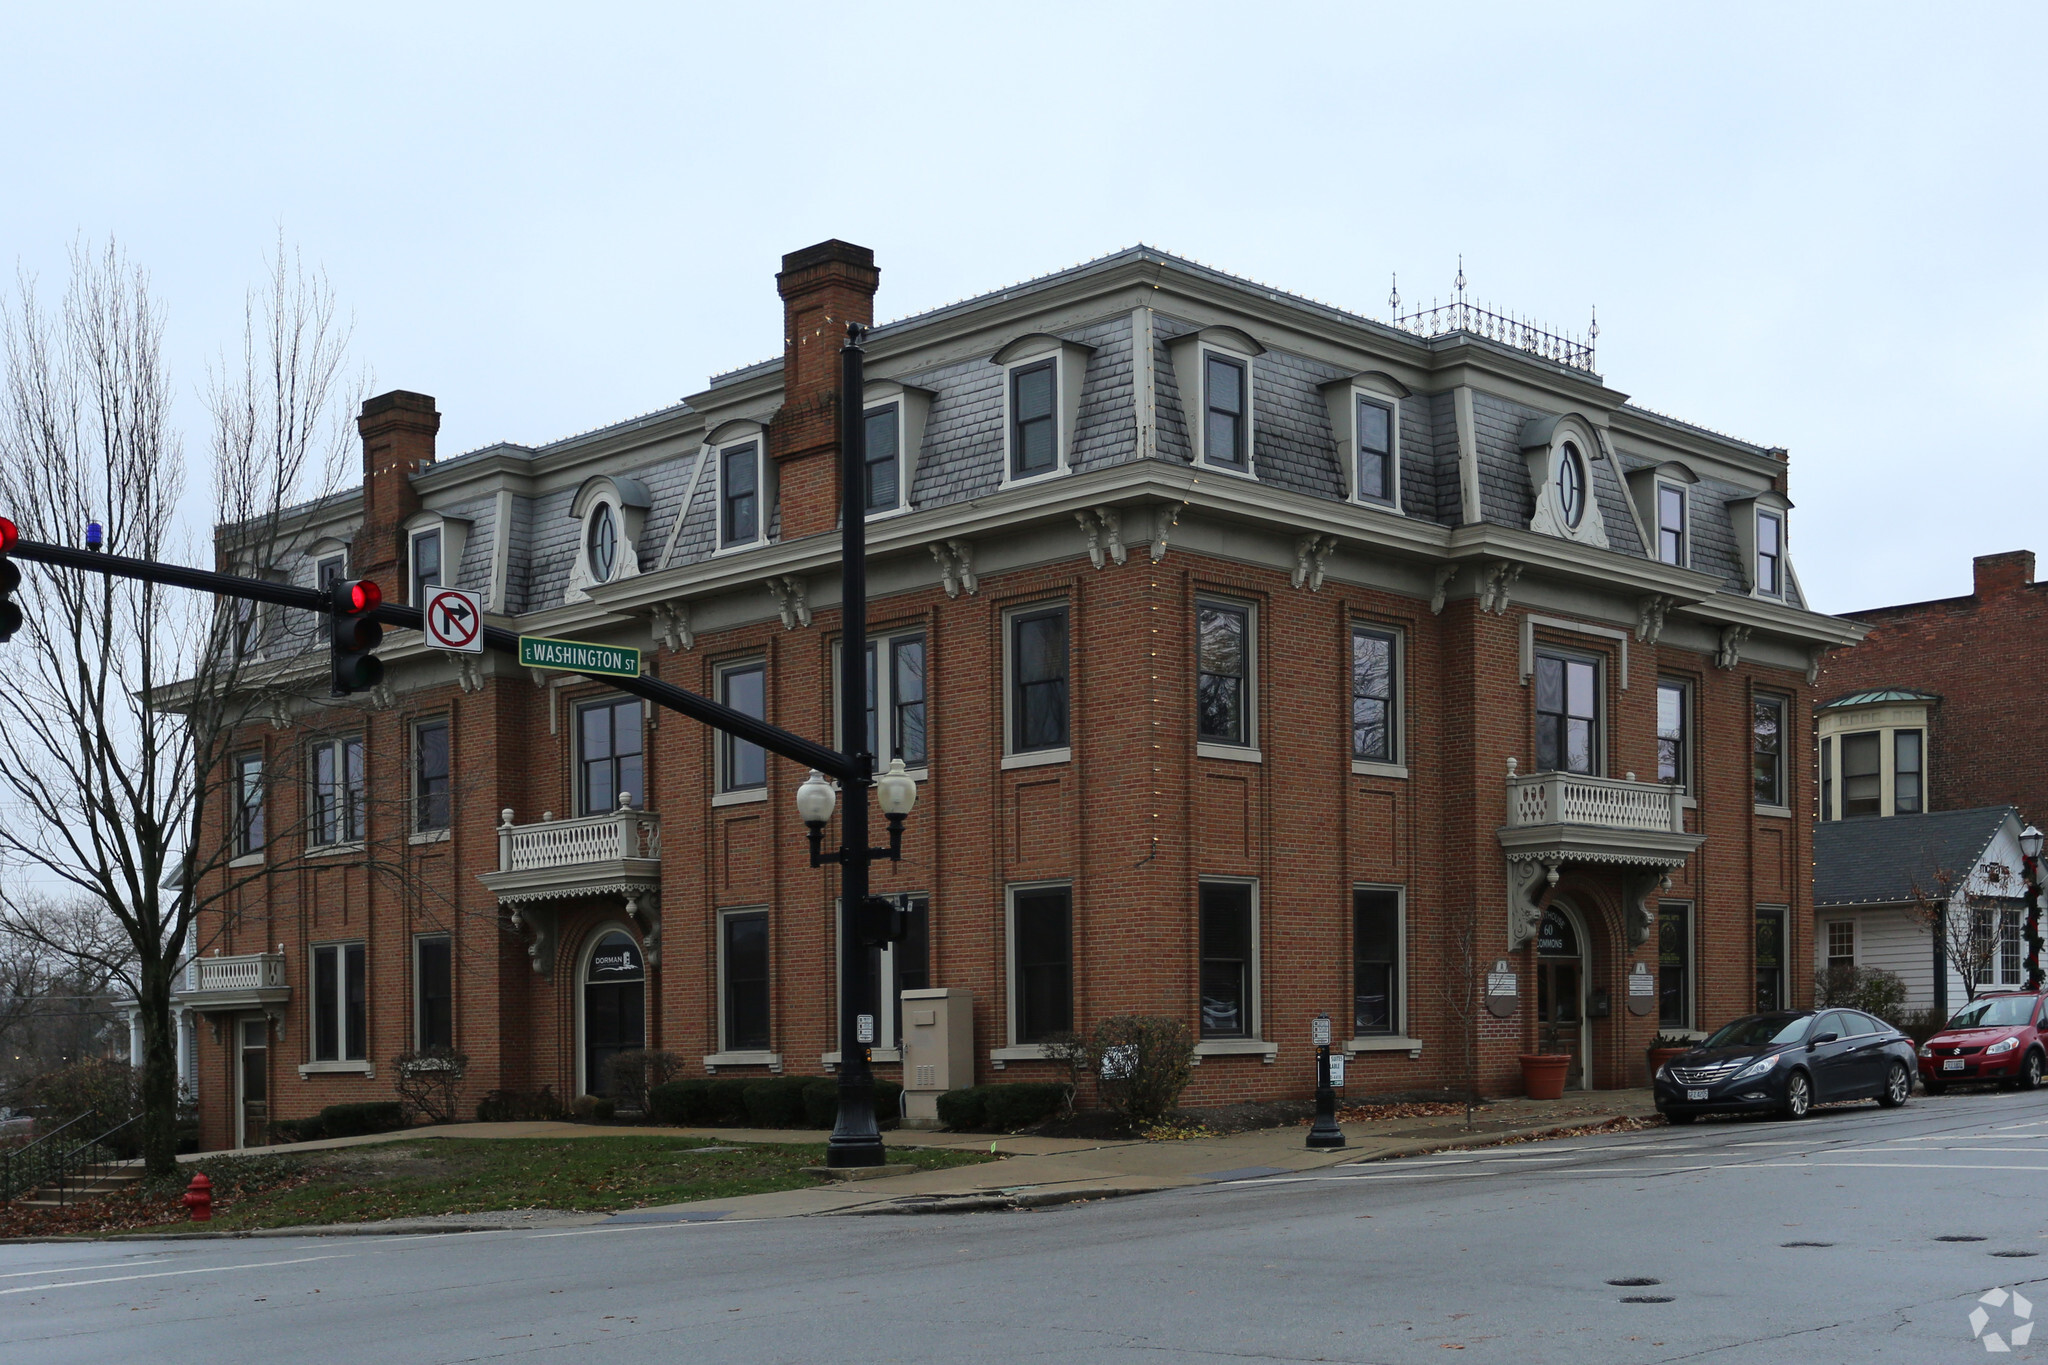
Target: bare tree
{"points": [[1969, 924], [126, 697], [56, 1001], [1464, 1002]]}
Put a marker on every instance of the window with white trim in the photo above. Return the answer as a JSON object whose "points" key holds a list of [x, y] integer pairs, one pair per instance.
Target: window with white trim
{"points": [[740, 520], [1374, 434], [1041, 962], [1767, 749], [1379, 962], [1770, 554], [881, 479], [431, 776], [1674, 965], [248, 805], [341, 1007], [1674, 732], [743, 981], [610, 755], [1034, 418], [426, 565], [1841, 943], [339, 802], [743, 764], [1037, 663], [1671, 524], [894, 968], [1226, 697], [1375, 694], [1567, 714], [329, 570], [433, 958], [1229, 913], [896, 694], [1226, 411]]}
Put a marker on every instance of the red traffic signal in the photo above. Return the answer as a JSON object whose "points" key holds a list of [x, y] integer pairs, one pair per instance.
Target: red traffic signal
{"points": [[357, 597], [9, 534], [356, 669], [10, 579]]}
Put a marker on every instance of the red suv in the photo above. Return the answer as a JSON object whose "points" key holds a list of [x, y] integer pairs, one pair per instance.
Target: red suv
{"points": [[1993, 1038]]}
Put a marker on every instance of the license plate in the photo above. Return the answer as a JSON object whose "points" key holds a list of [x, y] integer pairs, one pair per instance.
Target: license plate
{"points": [[1695, 1094], [1952, 1064]]}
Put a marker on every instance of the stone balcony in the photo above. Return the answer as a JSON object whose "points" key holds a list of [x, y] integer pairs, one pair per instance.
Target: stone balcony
{"points": [[245, 981], [1555, 819], [617, 854]]}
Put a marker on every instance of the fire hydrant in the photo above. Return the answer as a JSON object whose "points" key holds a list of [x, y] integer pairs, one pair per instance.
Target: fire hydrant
{"points": [[199, 1199]]}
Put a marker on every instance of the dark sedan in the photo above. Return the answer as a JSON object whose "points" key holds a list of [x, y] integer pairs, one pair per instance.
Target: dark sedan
{"points": [[1786, 1063]]}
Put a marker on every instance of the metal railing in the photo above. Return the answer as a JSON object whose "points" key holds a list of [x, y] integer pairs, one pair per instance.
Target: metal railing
{"points": [[623, 833], [53, 1159], [1459, 315], [1604, 802]]}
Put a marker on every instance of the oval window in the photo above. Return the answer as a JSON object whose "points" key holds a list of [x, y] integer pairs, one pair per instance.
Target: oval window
{"points": [[1571, 484], [603, 543]]}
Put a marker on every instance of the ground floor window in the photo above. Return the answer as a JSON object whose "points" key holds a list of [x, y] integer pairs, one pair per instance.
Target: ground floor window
{"points": [[1229, 932], [1770, 959], [340, 1003], [1841, 943], [434, 992], [1377, 961], [614, 1007], [895, 968], [1674, 965], [743, 981], [1997, 949], [1041, 962]]}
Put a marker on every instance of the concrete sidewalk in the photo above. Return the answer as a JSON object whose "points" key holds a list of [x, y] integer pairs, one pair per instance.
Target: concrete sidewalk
{"points": [[1032, 1171]]}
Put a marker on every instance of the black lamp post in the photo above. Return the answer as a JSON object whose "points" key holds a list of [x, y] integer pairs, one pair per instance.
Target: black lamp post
{"points": [[1325, 1133], [865, 921], [2030, 870]]}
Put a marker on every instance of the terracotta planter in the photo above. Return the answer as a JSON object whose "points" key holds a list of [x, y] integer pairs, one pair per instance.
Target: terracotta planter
{"points": [[1543, 1074], [1658, 1056]]}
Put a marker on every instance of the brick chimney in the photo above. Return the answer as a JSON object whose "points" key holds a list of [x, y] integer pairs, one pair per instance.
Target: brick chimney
{"points": [[823, 288], [398, 440], [1998, 575]]}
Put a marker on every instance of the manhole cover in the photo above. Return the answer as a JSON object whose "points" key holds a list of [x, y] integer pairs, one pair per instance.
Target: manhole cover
{"points": [[1958, 1239], [2016, 1255], [1628, 1281], [1646, 1298], [1806, 1244]]}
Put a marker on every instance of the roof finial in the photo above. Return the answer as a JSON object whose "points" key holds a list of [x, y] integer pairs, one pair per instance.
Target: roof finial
{"points": [[1461, 277], [1394, 296], [1593, 332]]}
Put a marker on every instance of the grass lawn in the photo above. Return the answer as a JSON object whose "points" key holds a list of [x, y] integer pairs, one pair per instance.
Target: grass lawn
{"points": [[458, 1175], [408, 1179]]}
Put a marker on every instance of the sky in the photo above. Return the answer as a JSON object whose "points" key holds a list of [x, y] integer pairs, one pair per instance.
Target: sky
{"points": [[1815, 226]]}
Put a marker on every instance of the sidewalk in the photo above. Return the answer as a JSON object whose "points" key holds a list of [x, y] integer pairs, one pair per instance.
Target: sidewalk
{"points": [[1033, 1171]]}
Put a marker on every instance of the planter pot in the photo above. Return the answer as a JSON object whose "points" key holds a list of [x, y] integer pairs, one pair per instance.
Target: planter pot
{"points": [[1657, 1056], [1543, 1074]]}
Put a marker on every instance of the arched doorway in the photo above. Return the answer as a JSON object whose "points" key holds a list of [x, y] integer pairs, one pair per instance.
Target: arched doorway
{"points": [[1561, 991], [614, 1005]]}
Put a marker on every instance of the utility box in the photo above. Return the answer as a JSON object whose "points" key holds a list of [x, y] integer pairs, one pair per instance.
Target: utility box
{"points": [[938, 1051]]}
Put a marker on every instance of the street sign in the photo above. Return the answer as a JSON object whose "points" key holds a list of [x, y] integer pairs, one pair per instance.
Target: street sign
{"points": [[578, 657], [863, 1028], [1319, 1030], [454, 619]]}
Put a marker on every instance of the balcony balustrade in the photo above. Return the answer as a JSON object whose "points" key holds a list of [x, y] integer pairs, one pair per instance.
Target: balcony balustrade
{"points": [[234, 982], [617, 854]]}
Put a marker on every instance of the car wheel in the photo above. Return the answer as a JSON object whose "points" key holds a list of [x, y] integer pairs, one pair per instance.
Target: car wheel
{"points": [[1798, 1096], [1897, 1086], [1933, 1086], [2030, 1073], [1681, 1116]]}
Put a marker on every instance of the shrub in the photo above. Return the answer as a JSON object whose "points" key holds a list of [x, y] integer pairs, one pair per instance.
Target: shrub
{"points": [[725, 1100], [353, 1120], [680, 1102], [429, 1082], [629, 1076], [519, 1106], [776, 1102], [1006, 1108], [1142, 1062], [595, 1109], [964, 1110], [1870, 989], [111, 1090], [888, 1102], [297, 1130], [821, 1102]]}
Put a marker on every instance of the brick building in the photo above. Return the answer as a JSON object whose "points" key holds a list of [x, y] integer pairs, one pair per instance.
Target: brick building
{"points": [[1929, 740], [1255, 659]]}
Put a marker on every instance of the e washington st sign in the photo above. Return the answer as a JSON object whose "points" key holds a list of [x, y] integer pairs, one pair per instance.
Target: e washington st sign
{"points": [[577, 657]]}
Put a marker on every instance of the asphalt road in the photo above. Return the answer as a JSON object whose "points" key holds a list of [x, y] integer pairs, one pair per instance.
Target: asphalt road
{"points": [[1857, 1235]]}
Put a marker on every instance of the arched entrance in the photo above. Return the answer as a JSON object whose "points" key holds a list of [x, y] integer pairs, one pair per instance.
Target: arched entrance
{"points": [[1561, 990], [613, 1005]]}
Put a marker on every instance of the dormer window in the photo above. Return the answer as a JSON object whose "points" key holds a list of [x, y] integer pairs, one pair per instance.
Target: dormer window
{"points": [[601, 543], [1873, 753], [1375, 437], [881, 483], [1224, 407], [329, 570], [426, 564], [1034, 419], [739, 494], [1042, 376], [1770, 551], [1671, 536], [1571, 484], [612, 512], [1365, 420]]}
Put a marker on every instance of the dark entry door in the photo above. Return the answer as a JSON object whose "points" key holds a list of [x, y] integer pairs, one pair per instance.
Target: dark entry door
{"points": [[1560, 991], [254, 1072], [614, 1008]]}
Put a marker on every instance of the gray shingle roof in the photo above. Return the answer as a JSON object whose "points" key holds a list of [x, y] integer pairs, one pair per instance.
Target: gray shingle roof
{"points": [[1881, 862]]}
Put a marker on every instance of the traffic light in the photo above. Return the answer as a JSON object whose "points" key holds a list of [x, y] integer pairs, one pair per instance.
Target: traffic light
{"points": [[10, 579], [356, 669]]}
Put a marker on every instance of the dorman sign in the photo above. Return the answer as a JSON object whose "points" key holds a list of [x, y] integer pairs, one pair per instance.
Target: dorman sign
{"points": [[454, 620]]}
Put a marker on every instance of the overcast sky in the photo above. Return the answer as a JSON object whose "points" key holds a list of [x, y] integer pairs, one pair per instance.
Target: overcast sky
{"points": [[1816, 227]]}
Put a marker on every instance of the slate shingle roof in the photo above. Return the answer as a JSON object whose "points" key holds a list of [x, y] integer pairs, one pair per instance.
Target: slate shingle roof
{"points": [[1881, 861]]}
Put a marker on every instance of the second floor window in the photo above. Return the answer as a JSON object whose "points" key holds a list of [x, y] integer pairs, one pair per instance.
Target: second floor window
{"points": [[1770, 550], [1223, 673], [1038, 680], [430, 776], [884, 459], [743, 765], [1673, 742], [1862, 774], [1375, 451], [610, 756], [1223, 433], [338, 798], [426, 565], [896, 690], [1671, 524], [248, 805], [1034, 424], [1768, 750], [1567, 715], [1906, 775], [1375, 731], [739, 500]]}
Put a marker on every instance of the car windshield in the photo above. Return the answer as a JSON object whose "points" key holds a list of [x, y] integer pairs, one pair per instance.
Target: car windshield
{"points": [[2001, 1011], [1760, 1030]]}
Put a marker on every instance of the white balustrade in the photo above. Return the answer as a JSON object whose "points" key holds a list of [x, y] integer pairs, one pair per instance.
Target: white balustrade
{"points": [[243, 972], [1604, 802], [623, 833]]}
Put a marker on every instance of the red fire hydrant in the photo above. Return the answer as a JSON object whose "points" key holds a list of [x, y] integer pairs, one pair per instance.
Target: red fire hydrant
{"points": [[199, 1199]]}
